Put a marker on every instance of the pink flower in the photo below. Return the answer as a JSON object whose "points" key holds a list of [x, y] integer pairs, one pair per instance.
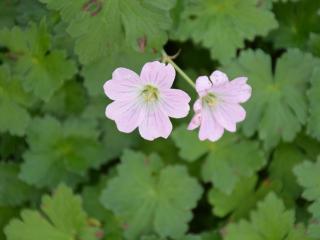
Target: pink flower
{"points": [[146, 101], [218, 106]]}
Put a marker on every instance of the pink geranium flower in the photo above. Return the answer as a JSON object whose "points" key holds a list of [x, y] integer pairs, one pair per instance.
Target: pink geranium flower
{"points": [[218, 106], [146, 101]]}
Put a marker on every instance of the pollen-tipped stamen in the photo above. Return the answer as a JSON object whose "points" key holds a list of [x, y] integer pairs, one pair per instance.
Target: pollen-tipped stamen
{"points": [[150, 93], [210, 99]]}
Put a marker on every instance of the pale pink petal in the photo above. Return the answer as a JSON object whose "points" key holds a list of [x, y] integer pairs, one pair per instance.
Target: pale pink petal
{"points": [[209, 128], [228, 114], [175, 102], [158, 74], [155, 124], [127, 114], [197, 106], [218, 78], [237, 91], [203, 84], [123, 85], [195, 122]]}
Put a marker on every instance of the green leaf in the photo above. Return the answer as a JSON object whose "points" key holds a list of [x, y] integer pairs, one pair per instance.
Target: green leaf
{"points": [[269, 3], [227, 160], [314, 44], [190, 147], [61, 218], [278, 106], [236, 202], [285, 158], [31, 11], [13, 191], [115, 142], [242, 199], [187, 237], [14, 102], [308, 177], [270, 221], [295, 25], [70, 149], [44, 69], [111, 225], [6, 213], [71, 99], [7, 13], [135, 22], [100, 70], [314, 98], [223, 25], [144, 197]]}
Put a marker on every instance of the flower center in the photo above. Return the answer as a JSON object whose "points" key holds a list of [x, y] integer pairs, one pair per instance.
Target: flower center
{"points": [[150, 93], [210, 99]]}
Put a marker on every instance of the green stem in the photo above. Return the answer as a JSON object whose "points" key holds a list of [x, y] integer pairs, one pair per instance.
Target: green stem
{"points": [[166, 58]]}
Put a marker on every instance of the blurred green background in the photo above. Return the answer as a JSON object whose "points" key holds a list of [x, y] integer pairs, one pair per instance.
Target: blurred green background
{"points": [[67, 173]]}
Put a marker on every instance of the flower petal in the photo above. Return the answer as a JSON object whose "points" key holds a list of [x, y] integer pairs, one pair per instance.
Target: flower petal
{"points": [[158, 74], [197, 106], [228, 114], [127, 114], [209, 128], [155, 124], [124, 85], [203, 84], [175, 102], [237, 91], [218, 78], [195, 122]]}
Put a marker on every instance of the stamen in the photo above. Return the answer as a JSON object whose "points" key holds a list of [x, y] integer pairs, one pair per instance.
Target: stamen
{"points": [[210, 99], [150, 93]]}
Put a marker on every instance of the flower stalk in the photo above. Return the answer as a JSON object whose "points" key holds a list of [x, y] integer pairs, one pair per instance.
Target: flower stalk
{"points": [[168, 59]]}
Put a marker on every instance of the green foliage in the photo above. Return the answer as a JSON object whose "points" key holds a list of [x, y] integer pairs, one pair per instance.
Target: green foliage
{"points": [[278, 106], [43, 72], [61, 218], [13, 102], [285, 158], [227, 160], [270, 221], [143, 196], [295, 25], [70, 149], [223, 25], [241, 200], [256, 184], [314, 97], [309, 178], [13, 191], [91, 194], [91, 22]]}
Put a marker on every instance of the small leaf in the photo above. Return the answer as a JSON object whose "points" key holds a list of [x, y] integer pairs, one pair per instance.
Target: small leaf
{"points": [[314, 98], [150, 197], [91, 22], [62, 218], [223, 25], [226, 161], [14, 102], [308, 177], [278, 106], [270, 221], [295, 25], [13, 191], [70, 149], [44, 69]]}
